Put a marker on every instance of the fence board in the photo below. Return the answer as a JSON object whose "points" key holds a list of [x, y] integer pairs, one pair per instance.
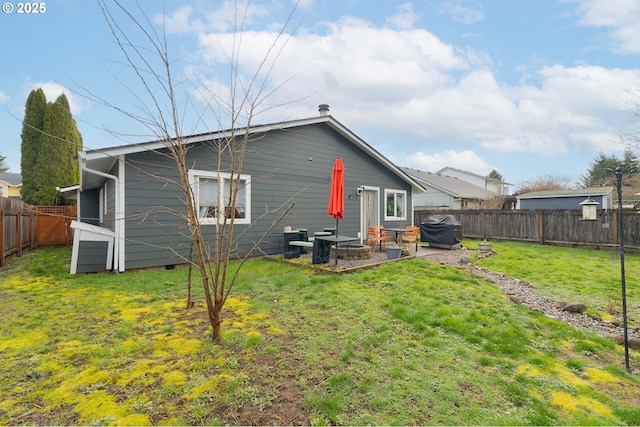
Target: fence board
{"points": [[566, 228], [53, 225], [16, 224], [24, 227]]}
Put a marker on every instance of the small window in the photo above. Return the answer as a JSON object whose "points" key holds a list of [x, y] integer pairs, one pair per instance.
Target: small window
{"points": [[396, 205], [212, 191]]}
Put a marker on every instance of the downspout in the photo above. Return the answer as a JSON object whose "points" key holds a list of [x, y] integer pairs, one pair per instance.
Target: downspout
{"points": [[117, 213]]}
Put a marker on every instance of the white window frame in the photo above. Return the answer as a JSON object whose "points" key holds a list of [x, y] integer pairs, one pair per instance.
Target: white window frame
{"points": [[194, 179], [389, 191]]}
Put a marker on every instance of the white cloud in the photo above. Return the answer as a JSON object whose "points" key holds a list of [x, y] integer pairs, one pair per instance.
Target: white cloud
{"points": [[3, 97], [622, 17], [179, 21], [53, 90], [460, 12], [466, 160], [229, 16], [405, 18], [410, 82]]}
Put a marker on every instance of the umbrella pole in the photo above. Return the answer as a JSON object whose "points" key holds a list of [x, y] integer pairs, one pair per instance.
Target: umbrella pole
{"points": [[336, 257]]}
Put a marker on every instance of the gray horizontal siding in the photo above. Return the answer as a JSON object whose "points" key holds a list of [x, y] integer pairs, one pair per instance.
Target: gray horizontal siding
{"points": [[551, 203], [92, 257], [90, 207], [280, 168]]}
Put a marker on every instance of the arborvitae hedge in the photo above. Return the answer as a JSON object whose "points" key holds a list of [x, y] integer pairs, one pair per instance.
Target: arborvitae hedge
{"points": [[53, 165], [31, 137]]}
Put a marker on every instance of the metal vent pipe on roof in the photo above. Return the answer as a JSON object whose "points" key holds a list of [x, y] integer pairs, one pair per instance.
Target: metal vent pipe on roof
{"points": [[323, 109]]}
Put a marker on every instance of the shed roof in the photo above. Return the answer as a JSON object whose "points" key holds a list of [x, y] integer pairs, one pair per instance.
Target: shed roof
{"points": [[591, 191]]}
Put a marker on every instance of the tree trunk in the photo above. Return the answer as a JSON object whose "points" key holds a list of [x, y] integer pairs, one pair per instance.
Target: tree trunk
{"points": [[217, 322]]}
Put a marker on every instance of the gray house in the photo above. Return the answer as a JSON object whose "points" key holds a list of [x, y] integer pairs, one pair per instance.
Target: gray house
{"points": [[448, 192], [499, 187], [565, 199], [127, 204]]}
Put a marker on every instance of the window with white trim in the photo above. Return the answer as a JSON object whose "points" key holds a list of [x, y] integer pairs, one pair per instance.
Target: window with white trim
{"points": [[395, 205], [211, 190]]}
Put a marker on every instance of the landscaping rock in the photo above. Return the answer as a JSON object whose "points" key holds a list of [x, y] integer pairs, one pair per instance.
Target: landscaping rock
{"points": [[573, 307], [520, 290], [634, 343]]}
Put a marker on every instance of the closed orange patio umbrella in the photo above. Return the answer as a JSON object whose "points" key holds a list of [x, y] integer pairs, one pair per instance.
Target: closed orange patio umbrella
{"points": [[336, 196]]}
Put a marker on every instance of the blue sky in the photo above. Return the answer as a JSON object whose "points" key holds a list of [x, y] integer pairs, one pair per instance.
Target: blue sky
{"points": [[531, 88]]}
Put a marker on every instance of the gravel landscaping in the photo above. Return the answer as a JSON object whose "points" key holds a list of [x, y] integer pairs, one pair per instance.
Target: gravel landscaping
{"points": [[524, 293]]}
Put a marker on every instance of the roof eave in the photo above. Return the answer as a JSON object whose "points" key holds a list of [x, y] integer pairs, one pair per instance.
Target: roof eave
{"points": [[113, 152]]}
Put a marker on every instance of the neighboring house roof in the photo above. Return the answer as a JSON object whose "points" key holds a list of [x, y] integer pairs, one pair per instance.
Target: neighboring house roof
{"points": [[11, 179], [474, 175], [102, 160], [455, 187], [592, 191]]}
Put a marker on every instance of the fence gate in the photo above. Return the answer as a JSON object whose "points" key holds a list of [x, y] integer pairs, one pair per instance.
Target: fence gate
{"points": [[53, 225]]}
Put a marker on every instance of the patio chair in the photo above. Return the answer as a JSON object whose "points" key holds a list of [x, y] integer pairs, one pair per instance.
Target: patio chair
{"points": [[377, 237], [411, 236]]}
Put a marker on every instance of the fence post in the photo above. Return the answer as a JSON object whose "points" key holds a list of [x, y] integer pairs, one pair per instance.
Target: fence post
{"points": [[541, 226], [32, 230], [19, 232], [2, 263], [484, 225], [616, 237]]}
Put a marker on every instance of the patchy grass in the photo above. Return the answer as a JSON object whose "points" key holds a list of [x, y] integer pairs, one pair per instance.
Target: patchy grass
{"points": [[588, 276], [405, 343]]}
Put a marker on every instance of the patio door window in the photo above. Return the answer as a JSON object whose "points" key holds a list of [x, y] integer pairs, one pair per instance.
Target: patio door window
{"points": [[212, 193]]}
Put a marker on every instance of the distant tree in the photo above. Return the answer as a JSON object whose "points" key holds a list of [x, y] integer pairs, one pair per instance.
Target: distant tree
{"points": [[3, 167], [494, 174], [32, 126], [602, 169], [630, 162], [55, 166], [543, 183]]}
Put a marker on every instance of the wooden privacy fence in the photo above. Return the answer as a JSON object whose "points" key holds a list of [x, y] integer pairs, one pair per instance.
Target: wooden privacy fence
{"points": [[24, 227], [53, 225], [563, 228], [17, 224]]}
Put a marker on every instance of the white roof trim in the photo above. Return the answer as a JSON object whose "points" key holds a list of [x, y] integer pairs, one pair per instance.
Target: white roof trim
{"points": [[329, 120]]}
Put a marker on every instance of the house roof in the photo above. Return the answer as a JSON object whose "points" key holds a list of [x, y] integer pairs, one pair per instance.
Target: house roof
{"points": [[591, 191], [473, 174], [11, 179], [102, 160], [456, 187]]}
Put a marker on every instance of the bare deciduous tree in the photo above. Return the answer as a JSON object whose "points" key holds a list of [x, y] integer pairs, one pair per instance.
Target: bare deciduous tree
{"points": [[146, 53], [543, 183]]}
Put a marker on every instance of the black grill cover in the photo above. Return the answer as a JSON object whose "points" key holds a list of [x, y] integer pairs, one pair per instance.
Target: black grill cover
{"points": [[441, 229]]}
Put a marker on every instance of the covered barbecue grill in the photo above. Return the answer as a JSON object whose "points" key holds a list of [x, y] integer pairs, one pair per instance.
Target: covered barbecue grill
{"points": [[441, 231]]}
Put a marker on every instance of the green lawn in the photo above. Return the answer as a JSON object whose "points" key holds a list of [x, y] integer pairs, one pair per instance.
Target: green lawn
{"points": [[406, 343], [588, 276]]}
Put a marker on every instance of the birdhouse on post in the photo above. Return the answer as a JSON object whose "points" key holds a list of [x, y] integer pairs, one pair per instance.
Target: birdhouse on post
{"points": [[589, 209]]}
